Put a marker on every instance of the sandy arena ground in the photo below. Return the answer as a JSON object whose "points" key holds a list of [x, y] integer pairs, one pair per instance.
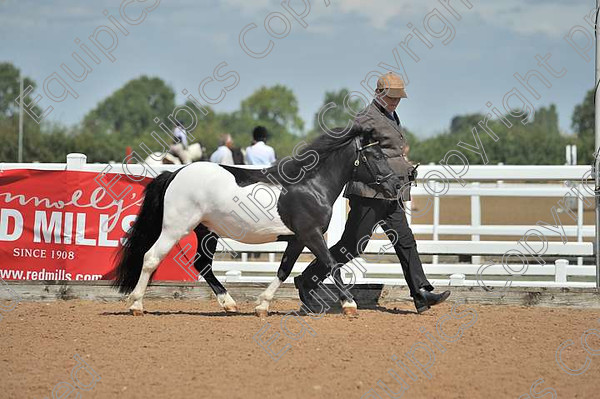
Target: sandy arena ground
{"points": [[192, 349]]}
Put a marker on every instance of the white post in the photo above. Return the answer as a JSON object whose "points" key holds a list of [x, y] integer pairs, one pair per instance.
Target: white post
{"points": [[560, 272], [436, 218], [338, 220], [580, 222], [457, 279], [597, 146], [568, 154], [76, 161], [597, 204], [500, 182], [475, 217], [233, 276], [20, 150]]}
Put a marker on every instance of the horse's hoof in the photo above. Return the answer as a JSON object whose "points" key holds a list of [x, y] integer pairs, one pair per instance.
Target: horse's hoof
{"points": [[262, 313], [350, 312], [136, 312], [231, 309]]}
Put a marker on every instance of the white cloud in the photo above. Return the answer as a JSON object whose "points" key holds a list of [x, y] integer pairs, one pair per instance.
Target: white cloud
{"points": [[522, 17], [380, 12], [249, 6], [530, 18]]}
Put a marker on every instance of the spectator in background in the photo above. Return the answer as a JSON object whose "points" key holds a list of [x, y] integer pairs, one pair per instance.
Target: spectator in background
{"points": [[238, 156], [179, 148], [223, 154], [259, 153]]}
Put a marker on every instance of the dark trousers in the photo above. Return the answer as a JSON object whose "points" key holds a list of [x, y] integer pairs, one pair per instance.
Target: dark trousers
{"points": [[365, 214]]}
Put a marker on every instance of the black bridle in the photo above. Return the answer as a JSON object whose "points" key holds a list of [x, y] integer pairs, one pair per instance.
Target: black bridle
{"points": [[360, 156]]}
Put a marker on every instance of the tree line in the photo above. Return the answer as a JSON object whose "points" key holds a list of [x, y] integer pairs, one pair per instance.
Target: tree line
{"points": [[127, 118]]}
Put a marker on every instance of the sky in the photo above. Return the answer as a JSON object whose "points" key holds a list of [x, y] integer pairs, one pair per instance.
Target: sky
{"points": [[471, 61]]}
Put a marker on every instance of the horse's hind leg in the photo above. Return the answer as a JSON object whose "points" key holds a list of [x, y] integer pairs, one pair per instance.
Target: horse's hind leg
{"points": [[170, 235], [207, 244], [291, 254]]}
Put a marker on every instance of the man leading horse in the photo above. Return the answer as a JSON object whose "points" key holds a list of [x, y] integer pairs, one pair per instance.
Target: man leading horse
{"points": [[369, 207]]}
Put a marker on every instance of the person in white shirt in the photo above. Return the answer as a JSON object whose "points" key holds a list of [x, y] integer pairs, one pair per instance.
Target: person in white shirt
{"points": [[180, 146], [223, 154], [260, 153]]}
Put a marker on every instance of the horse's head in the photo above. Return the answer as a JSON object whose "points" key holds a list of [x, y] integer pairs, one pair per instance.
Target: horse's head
{"points": [[371, 166]]}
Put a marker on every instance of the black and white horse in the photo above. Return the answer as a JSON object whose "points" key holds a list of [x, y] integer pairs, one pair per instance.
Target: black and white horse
{"points": [[290, 201]]}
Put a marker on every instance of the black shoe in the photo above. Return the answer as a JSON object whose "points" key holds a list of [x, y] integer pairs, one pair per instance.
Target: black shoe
{"points": [[425, 299]]}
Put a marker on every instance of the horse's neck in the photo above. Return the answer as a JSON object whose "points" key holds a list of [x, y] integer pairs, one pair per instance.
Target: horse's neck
{"points": [[336, 171]]}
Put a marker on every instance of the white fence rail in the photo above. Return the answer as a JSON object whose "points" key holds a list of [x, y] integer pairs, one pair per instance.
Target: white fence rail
{"points": [[479, 181]]}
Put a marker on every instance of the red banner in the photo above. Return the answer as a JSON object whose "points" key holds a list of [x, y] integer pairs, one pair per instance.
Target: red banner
{"points": [[61, 225]]}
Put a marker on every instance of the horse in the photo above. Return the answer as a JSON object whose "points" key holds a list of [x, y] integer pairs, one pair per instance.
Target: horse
{"points": [[206, 198], [195, 152]]}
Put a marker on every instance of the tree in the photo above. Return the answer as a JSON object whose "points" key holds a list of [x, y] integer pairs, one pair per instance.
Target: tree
{"points": [[9, 91], [126, 118], [33, 147], [276, 106], [131, 109], [583, 124], [537, 143], [462, 123], [337, 116]]}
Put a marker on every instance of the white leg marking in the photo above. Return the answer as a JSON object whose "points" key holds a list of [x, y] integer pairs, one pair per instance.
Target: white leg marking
{"points": [[349, 308], [150, 264], [227, 302], [267, 296], [349, 303], [135, 305]]}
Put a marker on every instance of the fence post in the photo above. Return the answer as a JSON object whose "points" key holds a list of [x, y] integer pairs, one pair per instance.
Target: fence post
{"points": [[580, 222], [232, 276], [475, 217], [436, 218], [457, 279], [338, 220], [560, 273], [76, 161], [500, 182], [596, 176]]}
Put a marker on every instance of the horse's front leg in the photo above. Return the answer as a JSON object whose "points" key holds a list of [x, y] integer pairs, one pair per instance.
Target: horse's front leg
{"points": [[316, 243], [291, 254]]}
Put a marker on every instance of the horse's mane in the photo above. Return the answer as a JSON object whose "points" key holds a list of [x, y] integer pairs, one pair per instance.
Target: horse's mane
{"points": [[326, 145]]}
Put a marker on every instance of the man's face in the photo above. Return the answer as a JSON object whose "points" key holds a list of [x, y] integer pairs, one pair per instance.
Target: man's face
{"points": [[390, 104]]}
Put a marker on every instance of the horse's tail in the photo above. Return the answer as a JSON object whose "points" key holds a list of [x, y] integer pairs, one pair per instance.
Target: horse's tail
{"points": [[143, 234]]}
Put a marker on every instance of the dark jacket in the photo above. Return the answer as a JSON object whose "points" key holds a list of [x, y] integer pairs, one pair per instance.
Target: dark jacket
{"points": [[390, 135]]}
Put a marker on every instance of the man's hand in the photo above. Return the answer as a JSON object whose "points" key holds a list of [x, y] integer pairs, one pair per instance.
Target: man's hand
{"points": [[413, 174]]}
